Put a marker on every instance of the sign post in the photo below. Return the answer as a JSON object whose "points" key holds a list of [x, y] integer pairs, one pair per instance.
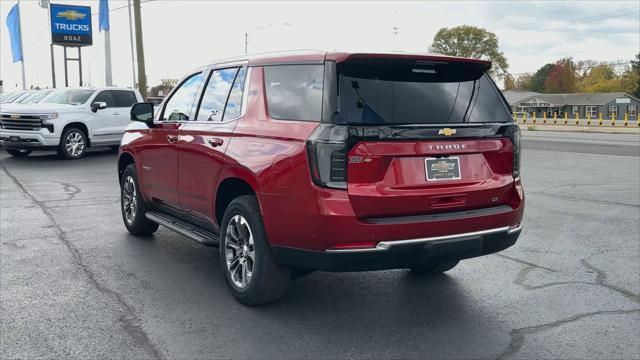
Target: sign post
{"points": [[71, 27]]}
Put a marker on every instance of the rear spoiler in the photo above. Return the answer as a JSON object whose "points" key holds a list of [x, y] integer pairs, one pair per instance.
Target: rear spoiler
{"points": [[346, 57]]}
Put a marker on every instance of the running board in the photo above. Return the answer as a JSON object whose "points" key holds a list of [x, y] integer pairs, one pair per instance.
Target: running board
{"points": [[184, 228]]}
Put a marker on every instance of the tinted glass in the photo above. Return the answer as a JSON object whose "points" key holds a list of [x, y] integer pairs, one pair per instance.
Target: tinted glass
{"points": [[234, 104], [418, 94], [124, 98], [72, 97], [106, 97], [216, 94], [179, 105], [294, 92]]}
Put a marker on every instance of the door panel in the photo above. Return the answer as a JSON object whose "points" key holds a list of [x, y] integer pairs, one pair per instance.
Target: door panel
{"points": [[159, 164]]}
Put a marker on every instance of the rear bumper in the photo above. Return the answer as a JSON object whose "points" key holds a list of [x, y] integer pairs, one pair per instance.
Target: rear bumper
{"points": [[401, 254]]}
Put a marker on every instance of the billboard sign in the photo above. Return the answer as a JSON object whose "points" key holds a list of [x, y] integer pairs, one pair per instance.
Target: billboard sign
{"points": [[71, 25]]}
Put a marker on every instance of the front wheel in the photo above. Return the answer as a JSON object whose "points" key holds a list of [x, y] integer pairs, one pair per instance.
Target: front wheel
{"points": [[434, 269], [251, 273], [73, 144], [19, 152], [133, 206]]}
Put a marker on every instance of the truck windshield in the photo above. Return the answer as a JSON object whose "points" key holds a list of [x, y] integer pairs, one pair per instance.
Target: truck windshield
{"points": [[414, 92], [71, 97]]}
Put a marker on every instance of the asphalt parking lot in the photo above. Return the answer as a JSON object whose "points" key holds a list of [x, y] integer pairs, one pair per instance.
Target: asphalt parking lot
{"points": [[74, 284]]}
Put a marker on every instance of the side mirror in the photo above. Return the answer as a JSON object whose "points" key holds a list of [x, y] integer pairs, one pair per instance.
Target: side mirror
{"points": [[143, 112], [98, 105]]}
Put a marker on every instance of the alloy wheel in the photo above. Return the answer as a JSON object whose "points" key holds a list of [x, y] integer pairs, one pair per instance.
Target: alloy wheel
{"points": [[239, 251], [74, 143], [129, 199]]}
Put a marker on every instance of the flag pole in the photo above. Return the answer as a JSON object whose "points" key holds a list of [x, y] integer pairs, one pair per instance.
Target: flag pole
{"points": [[24, 83]]}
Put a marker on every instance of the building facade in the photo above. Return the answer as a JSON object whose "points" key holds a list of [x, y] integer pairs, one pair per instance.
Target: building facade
{"points": [[583, 105]]}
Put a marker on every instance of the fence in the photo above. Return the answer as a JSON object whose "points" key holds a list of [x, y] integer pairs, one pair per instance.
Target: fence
{"points": [[565, 120]]}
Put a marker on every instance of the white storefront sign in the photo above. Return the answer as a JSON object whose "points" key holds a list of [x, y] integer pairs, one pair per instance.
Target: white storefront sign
{"points": [[535, 102]]}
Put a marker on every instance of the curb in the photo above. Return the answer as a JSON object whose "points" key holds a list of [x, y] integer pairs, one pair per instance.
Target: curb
{"points": [[580, 129]]}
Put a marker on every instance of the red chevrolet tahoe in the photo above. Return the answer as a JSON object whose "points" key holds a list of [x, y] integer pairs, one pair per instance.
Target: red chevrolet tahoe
{"points": [[327, 161]]}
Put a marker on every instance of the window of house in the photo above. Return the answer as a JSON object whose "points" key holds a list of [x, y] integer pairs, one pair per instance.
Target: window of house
{"points": [[591, 111], [575, 110], [612, 111], [633, 110]]}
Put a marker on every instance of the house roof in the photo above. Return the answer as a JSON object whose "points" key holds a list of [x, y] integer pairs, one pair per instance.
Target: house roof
{"points": [[577, 98], [515, 96]]}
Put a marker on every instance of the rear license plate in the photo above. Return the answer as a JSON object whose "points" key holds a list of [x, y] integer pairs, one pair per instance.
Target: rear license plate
{"points": [[14, 138], [444, 168]]}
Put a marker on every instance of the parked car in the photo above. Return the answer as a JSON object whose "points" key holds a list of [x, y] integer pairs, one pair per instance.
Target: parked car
{"points": [[327, 161], [36, 96], [11, 97], [68, 121]]}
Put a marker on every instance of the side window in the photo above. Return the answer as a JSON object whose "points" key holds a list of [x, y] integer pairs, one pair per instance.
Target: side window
{"points": [[178, 107], [216, 94], [234, 104], [123, 98], [105, 96], [294, 92]]}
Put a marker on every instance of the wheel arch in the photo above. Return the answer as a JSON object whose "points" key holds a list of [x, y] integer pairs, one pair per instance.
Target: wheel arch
{"points": [[81, 126], [124, 160], [233, 182]]}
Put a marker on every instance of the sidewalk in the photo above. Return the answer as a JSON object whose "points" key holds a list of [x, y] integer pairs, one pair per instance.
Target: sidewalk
{"points": [[606, 129]]}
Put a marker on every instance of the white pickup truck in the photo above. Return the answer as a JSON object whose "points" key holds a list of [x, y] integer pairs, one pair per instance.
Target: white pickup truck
{"points": [[68, 120]]}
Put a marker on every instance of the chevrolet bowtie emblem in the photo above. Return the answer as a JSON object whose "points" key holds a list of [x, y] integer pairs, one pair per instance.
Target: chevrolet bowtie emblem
{"points": [[442, 166], [71, 15], [447, 132]]}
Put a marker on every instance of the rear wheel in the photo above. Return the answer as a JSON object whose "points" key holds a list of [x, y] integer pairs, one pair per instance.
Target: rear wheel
{"points": [[19, 152], [133, 206], [73, 144], [251, 273], [434, 269]]}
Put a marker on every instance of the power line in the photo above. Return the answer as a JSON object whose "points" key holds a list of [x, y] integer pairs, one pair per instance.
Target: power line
{"points": [[603, 16]]}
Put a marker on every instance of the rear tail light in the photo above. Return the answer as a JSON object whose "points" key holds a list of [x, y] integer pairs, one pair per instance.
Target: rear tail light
{"points": [[327, 152], [514, 134]]}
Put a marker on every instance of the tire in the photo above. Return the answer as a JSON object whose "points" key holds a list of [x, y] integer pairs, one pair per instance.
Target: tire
{"points": [[73, 144], [132, 205], [251, 273], [19, 152], [434, 269]]}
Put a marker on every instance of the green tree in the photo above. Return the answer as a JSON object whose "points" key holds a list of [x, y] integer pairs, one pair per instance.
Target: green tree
{"points": [[524, 82], [538, 79], [632, 78], [472, 42], [600, 78]]}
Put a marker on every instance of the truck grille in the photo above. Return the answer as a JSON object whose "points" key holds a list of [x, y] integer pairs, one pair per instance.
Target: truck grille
{"points": [[20, 122]]}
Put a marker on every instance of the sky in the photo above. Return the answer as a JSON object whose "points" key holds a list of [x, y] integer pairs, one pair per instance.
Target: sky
{"points": [[180, 35]]}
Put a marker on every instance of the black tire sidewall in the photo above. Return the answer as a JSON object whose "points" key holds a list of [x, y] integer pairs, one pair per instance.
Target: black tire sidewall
{"points": [[269, 281], [62, 149], [140, 225]]}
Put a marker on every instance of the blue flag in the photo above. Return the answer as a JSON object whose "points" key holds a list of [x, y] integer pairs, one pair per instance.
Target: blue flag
{"points": [[103, 16], [13, 23]]}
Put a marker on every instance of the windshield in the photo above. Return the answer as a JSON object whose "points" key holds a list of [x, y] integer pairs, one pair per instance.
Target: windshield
{"points": [[417, 93], [36, 97], [71, 97], [12, 97]]}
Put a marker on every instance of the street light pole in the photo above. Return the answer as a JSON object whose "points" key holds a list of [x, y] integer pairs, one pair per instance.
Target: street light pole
{"points": [[142, 78], [248, 33]]}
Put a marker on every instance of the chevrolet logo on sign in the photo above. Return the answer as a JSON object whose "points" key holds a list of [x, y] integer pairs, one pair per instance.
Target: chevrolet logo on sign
{"points": [[71, 15], [447, 132]]}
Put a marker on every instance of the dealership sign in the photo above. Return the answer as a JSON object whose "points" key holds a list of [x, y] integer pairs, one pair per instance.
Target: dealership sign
{"points": [[71, 25]]}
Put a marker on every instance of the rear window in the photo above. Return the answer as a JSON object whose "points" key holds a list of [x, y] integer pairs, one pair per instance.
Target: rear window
{"points": [[294, 92], [415, 92]]}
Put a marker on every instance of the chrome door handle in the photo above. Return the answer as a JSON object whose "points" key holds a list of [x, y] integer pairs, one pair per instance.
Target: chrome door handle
{"points": [[172, 138], [216, 142]]}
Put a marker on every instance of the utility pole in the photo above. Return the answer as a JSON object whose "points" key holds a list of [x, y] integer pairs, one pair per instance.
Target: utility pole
{"points": [[133, 59], [142, 77]]}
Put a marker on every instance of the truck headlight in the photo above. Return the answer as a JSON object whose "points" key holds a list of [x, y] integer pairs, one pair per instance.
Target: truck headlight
{"points": [[50, 116]]}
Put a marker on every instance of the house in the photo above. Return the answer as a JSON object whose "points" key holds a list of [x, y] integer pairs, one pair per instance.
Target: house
{"points": [[585, 105]]}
